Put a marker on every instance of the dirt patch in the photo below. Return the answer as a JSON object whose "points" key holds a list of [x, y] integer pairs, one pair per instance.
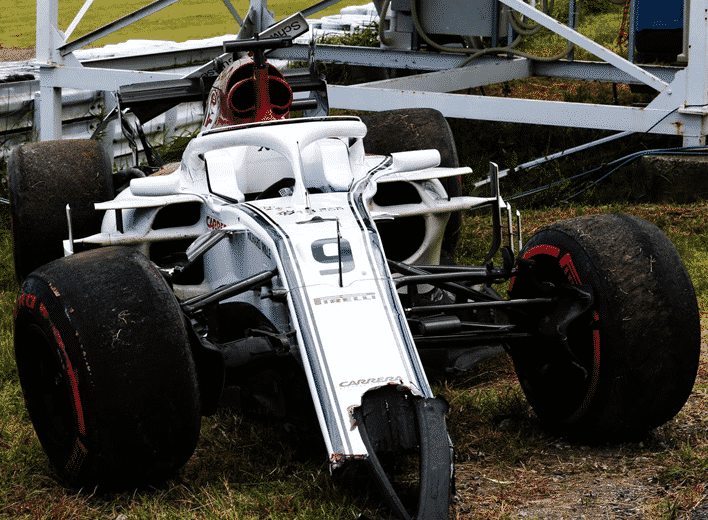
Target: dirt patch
{"points": [[567, 481], [663, 476], [16, 54]]}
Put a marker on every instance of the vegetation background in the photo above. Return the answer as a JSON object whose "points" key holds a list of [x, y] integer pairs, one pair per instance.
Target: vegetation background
{"points": [[185, 20]]}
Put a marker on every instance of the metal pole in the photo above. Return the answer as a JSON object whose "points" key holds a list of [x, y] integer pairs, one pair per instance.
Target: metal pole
{"points": [[50, 96], [696, 94], [630, 40], [495, 22], [572, 23], [114, 26], [233, 12], [319, 6], [587, 44], [77, 19], [558, 155]]}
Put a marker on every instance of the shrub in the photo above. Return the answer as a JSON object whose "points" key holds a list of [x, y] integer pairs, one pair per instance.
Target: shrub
{"points": [[343, 74], [585, 7]]}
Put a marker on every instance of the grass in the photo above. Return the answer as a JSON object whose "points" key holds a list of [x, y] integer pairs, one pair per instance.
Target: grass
{"points": [[684, 225], [245, 469], [186, 20], [601, 26], [494, 429]]}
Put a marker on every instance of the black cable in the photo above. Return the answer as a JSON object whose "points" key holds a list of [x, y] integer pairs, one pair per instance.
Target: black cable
{"points": [[690, 150], [669, 151], [622, 162]]}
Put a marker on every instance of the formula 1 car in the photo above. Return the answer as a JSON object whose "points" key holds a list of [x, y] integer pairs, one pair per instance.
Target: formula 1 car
{"points": [[283, 262]]}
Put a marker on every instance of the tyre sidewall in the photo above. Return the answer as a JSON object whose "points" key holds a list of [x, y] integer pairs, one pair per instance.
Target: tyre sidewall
{"points": [[38, 306], [42, 179], [134, 385], [647, 325], [577, 269]]}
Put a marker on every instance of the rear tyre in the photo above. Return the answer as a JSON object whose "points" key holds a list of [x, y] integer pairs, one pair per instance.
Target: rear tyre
{"points": [[43, 178], [401, 130], [106, 369], [634, 351]]}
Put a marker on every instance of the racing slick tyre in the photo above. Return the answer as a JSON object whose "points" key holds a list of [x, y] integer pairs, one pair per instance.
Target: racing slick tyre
{"points": [[630, 356], [106, 369], [43, 178], [415, 129]]}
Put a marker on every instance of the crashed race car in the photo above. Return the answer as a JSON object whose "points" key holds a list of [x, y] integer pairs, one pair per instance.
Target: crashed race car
{"points": [[304, 263]]}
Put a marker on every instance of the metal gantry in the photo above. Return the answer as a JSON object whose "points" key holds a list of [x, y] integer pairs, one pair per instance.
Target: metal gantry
{"points": [[680, 108]]}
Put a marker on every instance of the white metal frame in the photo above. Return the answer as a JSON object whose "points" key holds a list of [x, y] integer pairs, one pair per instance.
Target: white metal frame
{"points": [[680, 108]]}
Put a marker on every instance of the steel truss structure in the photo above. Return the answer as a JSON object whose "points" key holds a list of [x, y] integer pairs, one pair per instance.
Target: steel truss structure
{"points": [[680, 108]]}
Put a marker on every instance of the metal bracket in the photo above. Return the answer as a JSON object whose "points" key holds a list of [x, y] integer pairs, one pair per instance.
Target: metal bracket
{"points": [[496, 211]]}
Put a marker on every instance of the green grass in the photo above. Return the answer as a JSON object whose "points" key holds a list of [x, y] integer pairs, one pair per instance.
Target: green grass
{"points": [[684, 225], [185, 20], [601, 27], [8, 293], [244, 469]]}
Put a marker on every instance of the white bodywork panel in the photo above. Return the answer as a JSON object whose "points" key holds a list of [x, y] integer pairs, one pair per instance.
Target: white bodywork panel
{"points": [[352, 337], [342, 305]]}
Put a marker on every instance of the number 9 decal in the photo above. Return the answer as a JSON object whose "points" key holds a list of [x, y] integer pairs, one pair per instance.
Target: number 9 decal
{"points": [[321, 256]]}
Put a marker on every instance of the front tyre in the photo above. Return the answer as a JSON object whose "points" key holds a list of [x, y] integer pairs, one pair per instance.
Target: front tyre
{"points": [[106, 369], [629, 361]]}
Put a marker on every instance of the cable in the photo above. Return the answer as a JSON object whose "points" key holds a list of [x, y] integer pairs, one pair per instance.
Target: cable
{"points": [[668, 151], [619, 162], [474, 53], [382, 22], [659, 121], [689, 150], [524, 28]]}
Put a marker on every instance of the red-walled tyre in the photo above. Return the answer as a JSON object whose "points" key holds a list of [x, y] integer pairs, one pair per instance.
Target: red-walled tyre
{"points": [[106, 369], [634, 351]]}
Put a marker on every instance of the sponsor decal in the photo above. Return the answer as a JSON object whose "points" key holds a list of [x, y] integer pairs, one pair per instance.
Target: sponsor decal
{"points": [[345, 298], [212, 223], [259, 244], [372, 380], [289, 211], [290, 27], [29, 301]]}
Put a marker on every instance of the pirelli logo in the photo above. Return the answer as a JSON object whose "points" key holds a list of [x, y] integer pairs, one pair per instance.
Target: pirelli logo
{"points": [[328, 300]]}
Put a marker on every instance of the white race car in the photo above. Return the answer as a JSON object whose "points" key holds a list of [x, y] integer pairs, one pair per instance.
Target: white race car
{"points": [[281, 261]]}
